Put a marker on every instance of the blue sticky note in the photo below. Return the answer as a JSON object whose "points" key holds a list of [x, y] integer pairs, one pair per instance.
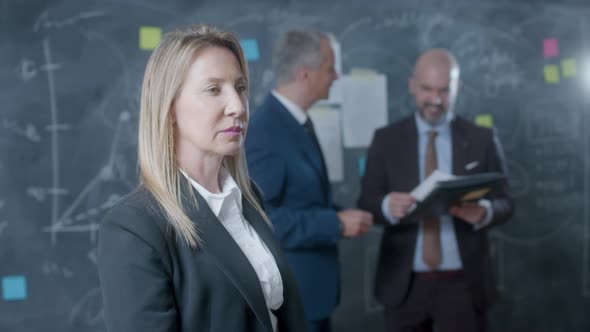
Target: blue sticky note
{"points": [[14, 288], [361, 162], [250, 48]]}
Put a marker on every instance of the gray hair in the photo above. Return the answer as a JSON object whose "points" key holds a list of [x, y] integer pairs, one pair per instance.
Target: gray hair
{"points": [[296, 48]]}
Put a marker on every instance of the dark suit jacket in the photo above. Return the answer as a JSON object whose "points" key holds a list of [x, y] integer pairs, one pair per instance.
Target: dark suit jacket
{"points": [[152, 281], [392, 165], [288, 167]]}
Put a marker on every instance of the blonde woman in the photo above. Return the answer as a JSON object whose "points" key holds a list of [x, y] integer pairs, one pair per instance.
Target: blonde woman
{"points": [[191, 248]]}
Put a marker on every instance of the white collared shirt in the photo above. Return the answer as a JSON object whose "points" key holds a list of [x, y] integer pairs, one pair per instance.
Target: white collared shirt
{"points": [[227, 206], [296, 111]]}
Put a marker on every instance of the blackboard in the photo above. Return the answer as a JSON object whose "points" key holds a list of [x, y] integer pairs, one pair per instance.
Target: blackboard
{"points": [[70, 74]]}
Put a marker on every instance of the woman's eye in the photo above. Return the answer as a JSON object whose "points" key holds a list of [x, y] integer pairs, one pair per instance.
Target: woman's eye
{"points": [[241, 88], [214, 89]]}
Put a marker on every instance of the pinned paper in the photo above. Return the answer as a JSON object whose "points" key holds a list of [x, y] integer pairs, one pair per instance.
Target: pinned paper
{"points": [[551, 74], [362, 73], [362, 162], [149, 37], [484, 120], [364, 108], [250, 48], [550, 48], [14, 288], [327, 125], [568, 68]]}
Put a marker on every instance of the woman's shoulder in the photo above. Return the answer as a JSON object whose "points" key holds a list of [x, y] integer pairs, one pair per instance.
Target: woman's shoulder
{"points": [[137, 213], [131, 228], [138, 201]]}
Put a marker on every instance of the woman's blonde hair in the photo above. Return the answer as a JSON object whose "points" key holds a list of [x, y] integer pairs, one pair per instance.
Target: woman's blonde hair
{"points": [[163, 79]]}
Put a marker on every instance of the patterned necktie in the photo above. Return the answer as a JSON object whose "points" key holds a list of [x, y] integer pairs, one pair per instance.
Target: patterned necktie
{"points": [[431, 252]]}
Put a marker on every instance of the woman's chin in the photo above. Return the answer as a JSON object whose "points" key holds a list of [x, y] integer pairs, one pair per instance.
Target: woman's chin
{"points": [[232, 149]]}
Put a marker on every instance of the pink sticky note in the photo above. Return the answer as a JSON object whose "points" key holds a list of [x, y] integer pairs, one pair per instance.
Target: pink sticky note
{"points": [[550, 48]]}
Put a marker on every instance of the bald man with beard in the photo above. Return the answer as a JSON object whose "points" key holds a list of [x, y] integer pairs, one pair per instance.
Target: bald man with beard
{"points": [[434, 273]]}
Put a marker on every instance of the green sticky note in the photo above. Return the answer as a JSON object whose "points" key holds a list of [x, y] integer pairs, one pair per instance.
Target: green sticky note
{"points": [[484, 120], [568, 67], [551, 74], [149, 37]]}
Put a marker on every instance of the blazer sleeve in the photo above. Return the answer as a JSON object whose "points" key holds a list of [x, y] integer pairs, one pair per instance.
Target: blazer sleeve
{"points": [[502, 203], [136, 289], [294, 228], [374, 181]]}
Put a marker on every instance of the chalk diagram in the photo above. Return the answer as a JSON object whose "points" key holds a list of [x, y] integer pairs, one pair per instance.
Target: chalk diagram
{"points": [[491, 62], [78, 211], [544, 175], [76, 205], [73, 215], [490, 70]]}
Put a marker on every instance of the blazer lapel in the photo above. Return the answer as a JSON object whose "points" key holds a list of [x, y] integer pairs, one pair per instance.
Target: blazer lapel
{"points": [[460, 146], [227, 255], [290, 307], [409, 149], [264, 231], [300, 138]]}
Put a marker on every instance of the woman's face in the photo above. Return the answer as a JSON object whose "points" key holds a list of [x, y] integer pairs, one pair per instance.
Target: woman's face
{"points": [[211, 110]]}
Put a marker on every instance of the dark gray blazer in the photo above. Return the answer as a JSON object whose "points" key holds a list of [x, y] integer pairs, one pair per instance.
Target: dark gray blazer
{"points": [[392, 165], [151, 281]]}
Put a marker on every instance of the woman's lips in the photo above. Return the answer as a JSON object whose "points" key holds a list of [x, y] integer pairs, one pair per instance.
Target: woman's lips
{"points": [[234, 129]]}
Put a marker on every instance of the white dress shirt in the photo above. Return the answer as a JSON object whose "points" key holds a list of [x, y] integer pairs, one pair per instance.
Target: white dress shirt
{"points": [[298, 113], [227, 206]]}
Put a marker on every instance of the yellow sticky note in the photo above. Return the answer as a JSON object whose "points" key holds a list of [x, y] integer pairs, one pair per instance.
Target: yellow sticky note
{"points": [[149, 37], [484, 120], [568, 67], [551, 74], [363, 73]]}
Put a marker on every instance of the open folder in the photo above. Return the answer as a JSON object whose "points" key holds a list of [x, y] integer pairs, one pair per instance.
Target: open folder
{"points": [[435, 195]]}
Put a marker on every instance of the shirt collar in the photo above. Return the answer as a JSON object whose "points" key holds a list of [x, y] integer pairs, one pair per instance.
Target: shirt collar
{"points": [[297, 112], [229, 190], [442, 128]]}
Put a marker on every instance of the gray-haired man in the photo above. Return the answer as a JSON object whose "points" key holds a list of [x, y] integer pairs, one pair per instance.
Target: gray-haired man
{"points": [[286, 161]]}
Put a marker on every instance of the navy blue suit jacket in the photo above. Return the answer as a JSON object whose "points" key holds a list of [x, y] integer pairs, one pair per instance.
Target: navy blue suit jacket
{"points": [[288, 167]]}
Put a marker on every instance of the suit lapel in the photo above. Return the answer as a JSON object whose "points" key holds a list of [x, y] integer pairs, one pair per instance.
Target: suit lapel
{"points": [[460, 148], [461, 156], [286, 312], [227, 255], [264, 231], [409, 148], [300, 138]]}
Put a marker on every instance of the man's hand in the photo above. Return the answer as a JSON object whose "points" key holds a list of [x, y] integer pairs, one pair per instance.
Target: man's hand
{"points": [[399, 203], [471, 212], [355, 222]]}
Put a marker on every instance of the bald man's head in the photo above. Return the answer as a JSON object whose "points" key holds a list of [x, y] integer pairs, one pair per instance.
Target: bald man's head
{"points": [[434, 84]]}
